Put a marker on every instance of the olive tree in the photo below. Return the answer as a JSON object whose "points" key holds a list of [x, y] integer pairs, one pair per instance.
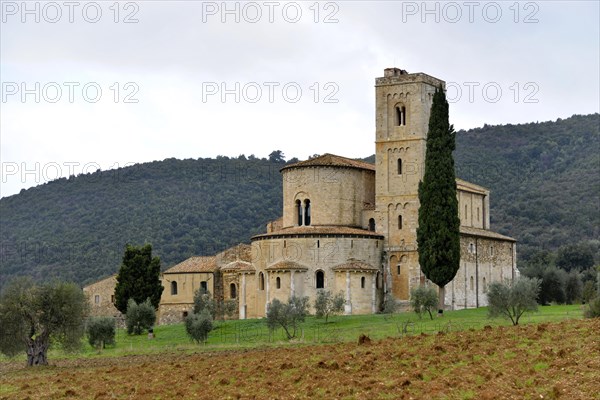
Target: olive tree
{"points": [[287, 315], [199, 325], [32, 317], [139, 317], [327, 304], [513, 301], [423, 299]]}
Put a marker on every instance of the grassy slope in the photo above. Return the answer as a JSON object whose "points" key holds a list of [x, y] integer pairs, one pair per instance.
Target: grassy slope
{"points": [[252, 333]]}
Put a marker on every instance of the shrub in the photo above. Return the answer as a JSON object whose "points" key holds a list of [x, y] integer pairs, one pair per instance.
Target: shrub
{"points": [[139, 317], [198, 326], [287, 315], [424, 298], [326, 304], [589, 292], [389, 304], [101, 331], [573, 287], [513, 301], [203, 301], [593, 309]]}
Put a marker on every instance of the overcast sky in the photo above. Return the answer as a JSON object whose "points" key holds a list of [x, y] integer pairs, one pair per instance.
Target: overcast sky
{"points": [[104, 84]]}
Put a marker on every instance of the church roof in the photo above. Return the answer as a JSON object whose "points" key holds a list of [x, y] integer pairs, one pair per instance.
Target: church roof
{"points": [[354, 265], [286, 265], [194, 264], [319, 230], [331, 160], [240, 252], [238, 266], [470, 187], [467, 230]]}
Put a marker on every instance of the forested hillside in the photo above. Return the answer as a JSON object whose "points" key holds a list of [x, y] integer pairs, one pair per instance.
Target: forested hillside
{"points": [[544, 178]]}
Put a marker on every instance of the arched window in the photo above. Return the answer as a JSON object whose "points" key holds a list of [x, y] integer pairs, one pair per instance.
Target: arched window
{"points": [[400, 115], [472, 286], [261, 281], [379, 281], [306, 212], [399, 221], [491, 250], [372, 224], [320, 278], [299, 211], [471, 248], [399, 166], [173, 288], [278, 283], [484, 286], [232, 291], [362, 282]]}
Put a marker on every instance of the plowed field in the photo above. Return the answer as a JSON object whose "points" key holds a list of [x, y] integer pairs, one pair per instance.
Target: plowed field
{"points": [[546, 361]]}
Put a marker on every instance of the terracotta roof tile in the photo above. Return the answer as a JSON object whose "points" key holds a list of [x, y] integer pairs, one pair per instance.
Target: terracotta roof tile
{"points": [[331, 160], [286, 265], [238, 266], [355, 265], [194, 264], [466, 230], [319, 230]]}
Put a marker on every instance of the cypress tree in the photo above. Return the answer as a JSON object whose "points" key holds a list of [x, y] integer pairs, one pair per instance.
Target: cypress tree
{"points": [[438, 235], [138, 278]]}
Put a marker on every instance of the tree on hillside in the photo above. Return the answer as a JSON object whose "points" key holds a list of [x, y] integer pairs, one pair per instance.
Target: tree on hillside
{"points": [[438, 231], [513, 301], [576, 256], [277, 156], [32, 317], [138, 278]]}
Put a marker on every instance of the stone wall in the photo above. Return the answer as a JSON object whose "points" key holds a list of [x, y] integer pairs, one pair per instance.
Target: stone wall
{"points": [[101, 297], [337, 195]]}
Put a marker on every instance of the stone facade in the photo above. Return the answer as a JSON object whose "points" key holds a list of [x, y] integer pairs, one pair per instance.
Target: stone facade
{"points": [[350, 227]]}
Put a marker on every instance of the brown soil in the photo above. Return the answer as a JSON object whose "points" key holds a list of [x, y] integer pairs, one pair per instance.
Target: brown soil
{"points": [[550, 361]]}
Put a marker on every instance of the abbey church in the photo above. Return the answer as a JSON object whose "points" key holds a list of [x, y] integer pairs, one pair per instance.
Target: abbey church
{"points": [[347, 226]]}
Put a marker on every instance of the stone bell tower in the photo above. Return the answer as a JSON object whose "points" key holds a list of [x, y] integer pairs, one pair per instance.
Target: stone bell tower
{"points": [[403, 103]]}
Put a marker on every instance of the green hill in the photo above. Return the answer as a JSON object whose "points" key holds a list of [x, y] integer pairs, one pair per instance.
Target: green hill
{"points": [[544, 178]]}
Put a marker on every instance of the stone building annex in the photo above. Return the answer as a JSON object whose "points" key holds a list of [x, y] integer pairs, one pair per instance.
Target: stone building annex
{"points": [[347, 226]]}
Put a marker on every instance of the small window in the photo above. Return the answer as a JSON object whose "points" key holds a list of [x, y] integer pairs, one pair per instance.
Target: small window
{"points": [[173, 288], [261, 281], [185, 314], [232, 291], [204, 287], [399, 166], [372, 224], [278, 283], [97, 299], [307, 212], [362, 282], [477, 214], [466, 211], [378, 281], [352, 244], [472, 284], [399, 221], [284, 244], [299, 211], [112, 298], [320, 279], [484, 286], [318, 244], [398, 268], [471, 248], [491, 250]]}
